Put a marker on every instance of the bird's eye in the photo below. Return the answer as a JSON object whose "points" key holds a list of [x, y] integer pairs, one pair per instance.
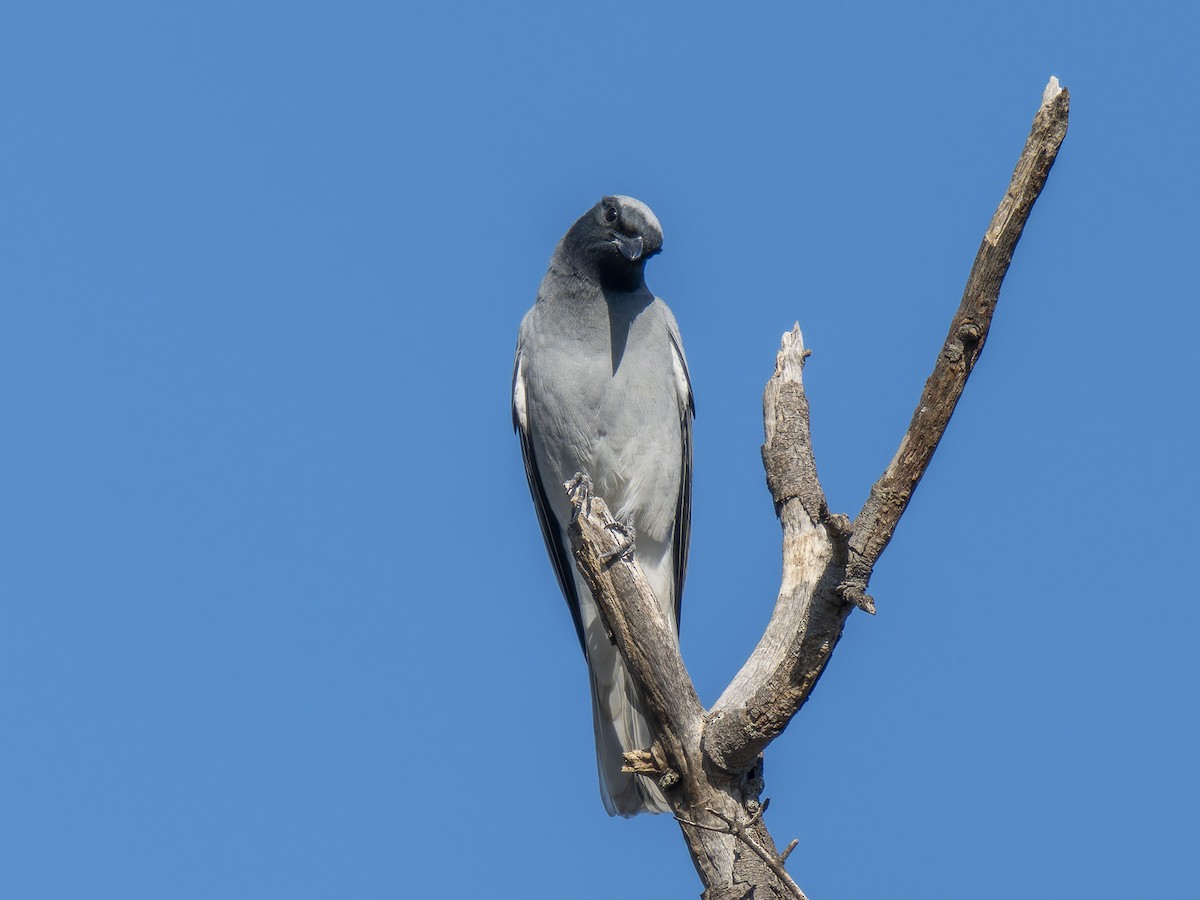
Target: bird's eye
{"points": [[610, 214]]}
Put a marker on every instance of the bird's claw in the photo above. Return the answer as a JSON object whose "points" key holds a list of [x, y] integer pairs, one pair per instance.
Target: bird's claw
{"points": [[626, 534], [579, 489]]}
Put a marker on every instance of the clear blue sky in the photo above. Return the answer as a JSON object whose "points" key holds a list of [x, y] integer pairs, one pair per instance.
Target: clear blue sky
{"points": [[276, 619]]}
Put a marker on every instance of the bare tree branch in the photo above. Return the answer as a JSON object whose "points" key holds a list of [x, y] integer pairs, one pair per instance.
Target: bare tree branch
{"points": [[772, 860], [637, 625], [889, 496], [802, 633], [651, 651], [825, 575], [712, 762]]}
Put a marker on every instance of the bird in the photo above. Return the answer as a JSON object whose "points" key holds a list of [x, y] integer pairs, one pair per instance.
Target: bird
{"points": [[601, 388]]}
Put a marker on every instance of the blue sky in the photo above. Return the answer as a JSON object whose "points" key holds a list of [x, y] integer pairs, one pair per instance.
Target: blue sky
{"points": [[276, 620]]}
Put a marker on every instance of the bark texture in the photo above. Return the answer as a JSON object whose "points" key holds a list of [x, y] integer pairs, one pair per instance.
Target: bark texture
{"points": [[710, 762]]}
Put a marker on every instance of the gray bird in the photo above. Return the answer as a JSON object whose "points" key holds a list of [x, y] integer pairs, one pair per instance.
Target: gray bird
{"points": [[601, 387]]}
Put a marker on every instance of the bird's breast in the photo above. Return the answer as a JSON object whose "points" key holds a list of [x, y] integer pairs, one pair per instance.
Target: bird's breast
{"points": [[618, 424]]}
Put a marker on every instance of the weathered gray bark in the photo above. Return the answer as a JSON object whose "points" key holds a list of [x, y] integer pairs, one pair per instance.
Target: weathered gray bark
{"points": [[710, 761]]}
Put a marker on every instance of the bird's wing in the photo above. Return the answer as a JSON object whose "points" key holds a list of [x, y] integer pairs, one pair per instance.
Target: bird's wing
{"points": [[683, 511], [560, 553]]}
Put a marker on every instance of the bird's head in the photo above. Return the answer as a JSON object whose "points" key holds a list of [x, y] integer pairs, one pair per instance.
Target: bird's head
{"points": [[615, 238]]}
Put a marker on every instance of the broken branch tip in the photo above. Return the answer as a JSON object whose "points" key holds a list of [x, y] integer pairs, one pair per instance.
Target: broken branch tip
{"points": [[1053, 89]]}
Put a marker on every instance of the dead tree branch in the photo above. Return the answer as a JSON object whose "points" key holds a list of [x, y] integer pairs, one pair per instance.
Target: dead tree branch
{"points": [[889, 496], [711, 760], [638, 627], [825, 575]]}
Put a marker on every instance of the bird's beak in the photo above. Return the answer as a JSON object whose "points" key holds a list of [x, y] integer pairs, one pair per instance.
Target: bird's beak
{"points": [[630, 247]]}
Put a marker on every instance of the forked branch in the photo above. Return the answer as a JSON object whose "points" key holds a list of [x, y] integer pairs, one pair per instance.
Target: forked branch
{"points": [[827, 571], [827, 568]]}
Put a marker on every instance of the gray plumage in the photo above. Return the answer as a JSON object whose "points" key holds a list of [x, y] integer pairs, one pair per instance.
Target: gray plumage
{"points": [[601, 387]]}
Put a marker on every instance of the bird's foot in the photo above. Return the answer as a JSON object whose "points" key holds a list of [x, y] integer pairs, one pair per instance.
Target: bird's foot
{"points": [[579, 489], [626, 534]]}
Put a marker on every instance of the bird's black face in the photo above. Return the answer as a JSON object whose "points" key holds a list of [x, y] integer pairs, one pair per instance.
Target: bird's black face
{"points": [[617, 235]]}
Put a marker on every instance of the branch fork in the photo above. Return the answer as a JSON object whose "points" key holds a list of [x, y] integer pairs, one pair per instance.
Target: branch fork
{"points": [[828, 561]]}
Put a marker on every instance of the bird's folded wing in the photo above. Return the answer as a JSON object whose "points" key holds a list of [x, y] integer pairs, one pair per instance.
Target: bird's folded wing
{"points": [[683, 511], [552, 533]]}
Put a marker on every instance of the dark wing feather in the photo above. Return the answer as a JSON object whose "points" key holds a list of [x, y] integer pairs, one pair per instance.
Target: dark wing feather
{"points": [[560, 555], [683, 511]]}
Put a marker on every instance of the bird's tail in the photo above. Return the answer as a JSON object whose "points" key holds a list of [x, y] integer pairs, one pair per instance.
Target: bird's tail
{"points": [[620, 727]]}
